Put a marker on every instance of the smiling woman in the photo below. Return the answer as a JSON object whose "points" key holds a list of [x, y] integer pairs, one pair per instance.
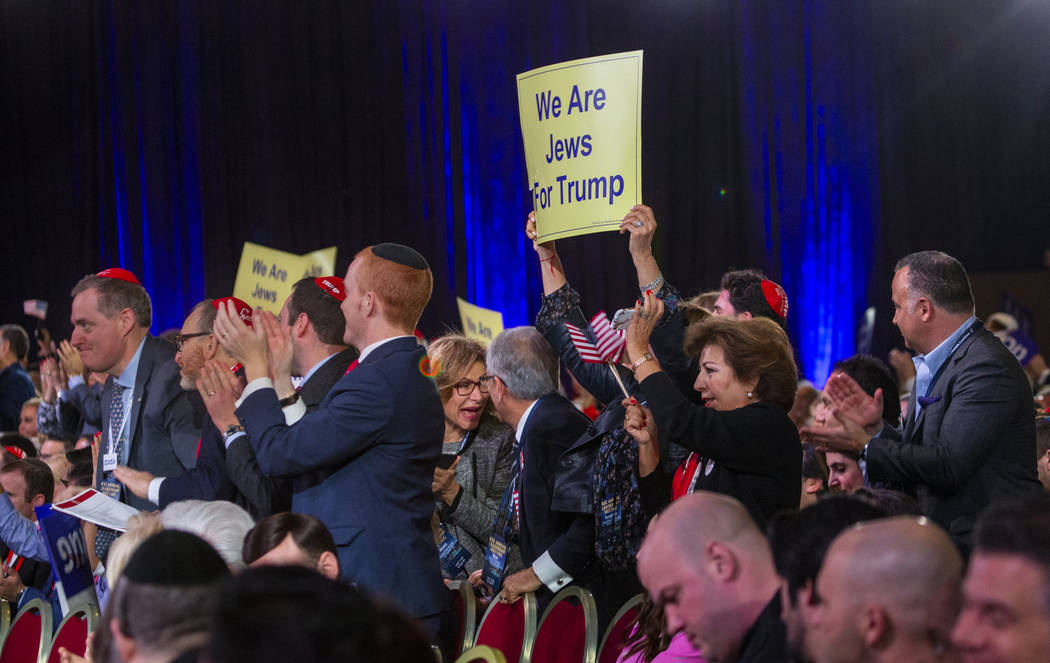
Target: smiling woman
{"points": [[477, 454]]}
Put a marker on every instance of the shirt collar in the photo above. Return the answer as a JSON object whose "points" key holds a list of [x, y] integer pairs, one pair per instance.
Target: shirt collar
{"points": [[369, 348], [936, 357], [317, 366], [524, 418], [127, 377]]}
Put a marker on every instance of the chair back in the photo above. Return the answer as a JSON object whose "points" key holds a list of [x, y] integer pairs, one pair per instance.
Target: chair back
{"points": [[509, 627], [5, 619], [73, 632], [466, 606], [619, 629], [568, 630], [482, 653], [30, 634]]}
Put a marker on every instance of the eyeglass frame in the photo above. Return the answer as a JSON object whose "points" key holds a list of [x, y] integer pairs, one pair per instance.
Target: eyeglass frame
{"points": [[478, 384], [180, 339]]}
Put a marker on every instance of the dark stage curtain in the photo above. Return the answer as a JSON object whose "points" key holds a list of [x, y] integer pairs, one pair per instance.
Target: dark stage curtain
{"points": [[818, 140]]}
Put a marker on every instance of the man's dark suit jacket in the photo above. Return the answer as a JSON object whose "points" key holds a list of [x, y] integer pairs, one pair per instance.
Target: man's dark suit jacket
{"points": [[973, 445], [233, 474], [552, 427], [378, 436], [80, 410], [16, 387], [164, 423]]}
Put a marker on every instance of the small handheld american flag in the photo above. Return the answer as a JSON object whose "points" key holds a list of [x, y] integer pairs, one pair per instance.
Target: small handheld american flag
{"points": [[608, 349]]}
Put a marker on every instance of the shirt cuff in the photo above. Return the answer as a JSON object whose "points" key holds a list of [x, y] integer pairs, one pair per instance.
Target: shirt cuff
{"points": [[255, 385], [549, 573], [294, 412], [75, 381], [153, 493], [228, 441]]}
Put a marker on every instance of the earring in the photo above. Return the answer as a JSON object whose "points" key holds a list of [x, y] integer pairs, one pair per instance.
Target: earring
{"points": [[750, 395]]}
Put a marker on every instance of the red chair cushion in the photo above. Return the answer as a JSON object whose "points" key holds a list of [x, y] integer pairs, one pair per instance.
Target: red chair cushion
{"points": [[23, 641], [72, 636], [504, 629], [561, 637], [617, 634]]}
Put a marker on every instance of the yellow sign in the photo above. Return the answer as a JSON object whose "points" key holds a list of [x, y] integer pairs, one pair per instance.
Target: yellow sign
{"points": [[480, 324], [581, 123], [265, 276]]}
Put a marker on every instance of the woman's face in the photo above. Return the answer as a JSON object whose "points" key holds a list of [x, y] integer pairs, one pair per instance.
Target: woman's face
{"points": [[463, 413], [717, 382]]}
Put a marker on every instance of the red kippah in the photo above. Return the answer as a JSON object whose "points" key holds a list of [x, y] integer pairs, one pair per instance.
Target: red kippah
{"points": [[243, 310], [15, 451], [118, 273], [776, 297], [333, 285]]}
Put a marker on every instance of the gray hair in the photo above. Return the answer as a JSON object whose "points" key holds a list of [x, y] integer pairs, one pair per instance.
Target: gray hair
{"points": [[524, 361], [940, 278], [221, 524]]}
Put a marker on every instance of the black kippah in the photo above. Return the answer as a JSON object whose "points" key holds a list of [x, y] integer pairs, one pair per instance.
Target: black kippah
{"points": [[175, 559], [401, 254]]}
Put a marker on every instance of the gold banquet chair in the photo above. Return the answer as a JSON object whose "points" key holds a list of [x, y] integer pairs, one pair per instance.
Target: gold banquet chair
{"points": [[568, 630], [509, 628]]}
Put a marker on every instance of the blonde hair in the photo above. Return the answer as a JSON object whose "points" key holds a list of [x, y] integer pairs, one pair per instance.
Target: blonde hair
{"points": [[451, 356], [141, 526]]}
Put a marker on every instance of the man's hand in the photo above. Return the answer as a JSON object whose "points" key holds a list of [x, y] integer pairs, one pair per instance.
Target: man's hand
{"points": [[519, 584], [245, 344], [445, 485], [72, 364], [279, 346], [137, 481], [11, 586], [641, 225], [220, 388], [854, 404], [847, 437]]}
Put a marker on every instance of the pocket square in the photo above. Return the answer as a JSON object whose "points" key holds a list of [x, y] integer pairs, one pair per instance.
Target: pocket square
{"points": [[926, 401]]}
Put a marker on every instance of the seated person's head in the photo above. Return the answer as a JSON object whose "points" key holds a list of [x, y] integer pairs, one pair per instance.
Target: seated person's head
{"points": [[799, 541], [888, 591], [814, 475], [27, 418], [742, 361], [844, 473], [1006, 615], [222, 524], [18, 445], [55, 446], [290, 613], [162, 606], [29, 483], [707, 565], [292, 539]]}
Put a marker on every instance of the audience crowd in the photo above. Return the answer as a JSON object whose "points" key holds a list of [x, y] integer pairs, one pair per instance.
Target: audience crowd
{"points": [[307, 484]]}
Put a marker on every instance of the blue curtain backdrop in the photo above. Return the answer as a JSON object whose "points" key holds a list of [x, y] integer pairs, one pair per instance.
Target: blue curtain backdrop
{"points": [[817, 140]]}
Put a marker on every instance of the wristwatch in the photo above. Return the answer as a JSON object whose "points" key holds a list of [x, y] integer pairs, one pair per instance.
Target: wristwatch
{"points": [[232, 430], [648, 356], [285, 402]]}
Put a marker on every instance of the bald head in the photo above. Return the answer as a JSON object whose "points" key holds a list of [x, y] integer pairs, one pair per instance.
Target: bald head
{"points": [[706, 563], [903, 572], [694, 521]]}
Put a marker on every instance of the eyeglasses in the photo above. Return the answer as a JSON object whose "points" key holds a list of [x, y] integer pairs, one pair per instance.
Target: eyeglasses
{"points": [[466, 387], [180, 339]]}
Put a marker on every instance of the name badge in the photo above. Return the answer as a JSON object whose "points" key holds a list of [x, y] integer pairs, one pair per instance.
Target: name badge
{"points": [[453, 555], [495, 561], [109, 462], [611, 517]]}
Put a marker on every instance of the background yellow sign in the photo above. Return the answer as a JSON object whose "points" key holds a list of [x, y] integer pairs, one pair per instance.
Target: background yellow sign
{"points": [[581, 122], [265, 276], [480, 324]]}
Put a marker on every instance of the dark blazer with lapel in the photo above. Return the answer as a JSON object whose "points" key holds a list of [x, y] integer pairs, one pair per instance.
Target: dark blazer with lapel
{"points": [[378, 434], [973, 445], [164, 423], [552, 427]]}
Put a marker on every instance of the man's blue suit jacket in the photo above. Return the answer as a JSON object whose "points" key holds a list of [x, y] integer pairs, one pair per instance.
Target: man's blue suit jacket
{"points": [[377, 436]]}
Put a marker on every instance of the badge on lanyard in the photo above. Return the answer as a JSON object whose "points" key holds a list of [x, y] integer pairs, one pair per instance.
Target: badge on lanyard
{"points": [[495, 561], [109, 462], [611, 516], [453, 555]]}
